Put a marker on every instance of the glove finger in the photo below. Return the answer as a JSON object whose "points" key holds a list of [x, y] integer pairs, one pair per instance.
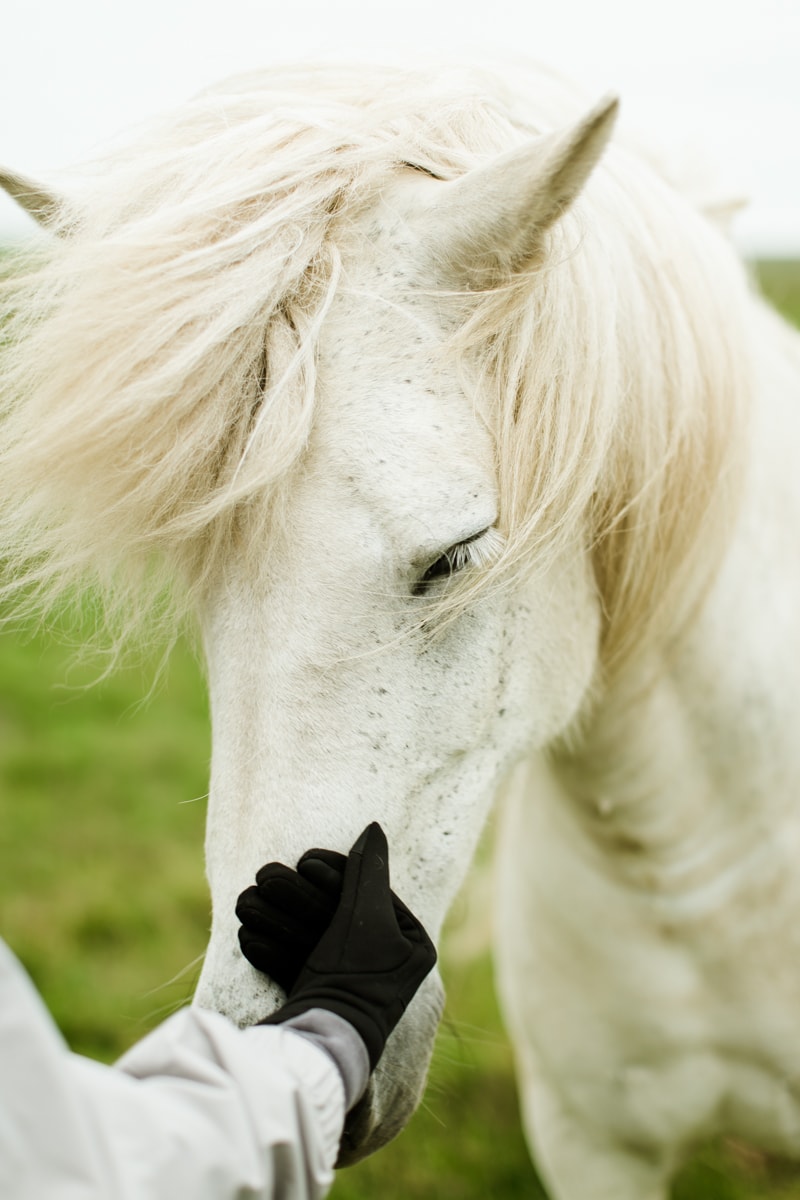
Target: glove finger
{"points": [[305, 921], [281, 966], [325, 873], [367, 872], [249, 907], [284, 889], [307, 903], [369, 905], [271, 868], [365, 904], [376, 845], [295, 939], [277, 876], [325, 868], [331, 857]]}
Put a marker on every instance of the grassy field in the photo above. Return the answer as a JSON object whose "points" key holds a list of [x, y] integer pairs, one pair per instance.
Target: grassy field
{"points": [[102, 896]]}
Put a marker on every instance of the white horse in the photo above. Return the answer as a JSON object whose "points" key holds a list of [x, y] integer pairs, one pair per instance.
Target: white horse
{"points": [[476, 458]]}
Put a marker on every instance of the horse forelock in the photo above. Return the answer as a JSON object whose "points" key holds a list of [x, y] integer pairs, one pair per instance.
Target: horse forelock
{"points": [[140, 417]]}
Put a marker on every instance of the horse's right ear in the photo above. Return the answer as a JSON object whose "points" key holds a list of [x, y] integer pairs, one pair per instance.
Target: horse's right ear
{"points": [[42, 204], [488, 225]]}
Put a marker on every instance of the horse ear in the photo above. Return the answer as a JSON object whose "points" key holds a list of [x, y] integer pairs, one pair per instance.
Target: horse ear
{"points": [[488, 224], [43, 205]]}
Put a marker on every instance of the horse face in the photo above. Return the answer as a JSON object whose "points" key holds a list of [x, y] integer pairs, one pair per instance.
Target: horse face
{"points": [[333, 704]]}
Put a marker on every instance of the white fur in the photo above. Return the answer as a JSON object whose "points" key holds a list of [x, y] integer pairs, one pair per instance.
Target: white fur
{"points": [[256, 361]]}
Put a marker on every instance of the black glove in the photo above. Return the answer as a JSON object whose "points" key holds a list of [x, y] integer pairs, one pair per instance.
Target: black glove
{"points": [[364, 962], [286, 913]]}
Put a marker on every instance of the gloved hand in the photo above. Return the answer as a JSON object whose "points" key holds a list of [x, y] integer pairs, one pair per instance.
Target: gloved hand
{"points": [[286, 913], [364, 961]]}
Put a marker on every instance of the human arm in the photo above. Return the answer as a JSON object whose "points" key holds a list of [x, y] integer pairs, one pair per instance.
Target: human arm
{"points": [[197, 1108]]}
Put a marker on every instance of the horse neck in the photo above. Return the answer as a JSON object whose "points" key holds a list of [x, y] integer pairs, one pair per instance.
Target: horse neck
{"points": [[693, 752]]}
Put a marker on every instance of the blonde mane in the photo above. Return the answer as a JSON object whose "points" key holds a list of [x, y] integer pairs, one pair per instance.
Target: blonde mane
{"points": [[157, 377]]}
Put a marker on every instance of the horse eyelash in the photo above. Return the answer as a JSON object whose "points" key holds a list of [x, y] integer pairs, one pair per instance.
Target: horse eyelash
{"points": [[478, 551]]}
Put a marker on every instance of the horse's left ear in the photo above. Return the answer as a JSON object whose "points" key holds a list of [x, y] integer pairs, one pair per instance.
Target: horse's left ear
{"points": [[488, 224], [43, 205]]}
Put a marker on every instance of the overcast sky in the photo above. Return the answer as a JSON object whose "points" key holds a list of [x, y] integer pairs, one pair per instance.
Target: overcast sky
{"points": [[700, 73]]}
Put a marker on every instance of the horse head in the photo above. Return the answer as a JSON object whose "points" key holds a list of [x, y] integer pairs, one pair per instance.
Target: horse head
{"points": [[339, 694]]}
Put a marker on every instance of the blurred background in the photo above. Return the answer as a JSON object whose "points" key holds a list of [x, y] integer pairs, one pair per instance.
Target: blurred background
{"points": [[717, 81], [102, 784]]}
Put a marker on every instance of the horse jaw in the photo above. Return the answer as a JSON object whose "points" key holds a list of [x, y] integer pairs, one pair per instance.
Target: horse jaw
{"points": [[398, 1081]]}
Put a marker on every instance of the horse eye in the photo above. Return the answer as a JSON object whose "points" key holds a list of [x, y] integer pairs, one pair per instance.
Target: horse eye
{"points": [[447, 564]]}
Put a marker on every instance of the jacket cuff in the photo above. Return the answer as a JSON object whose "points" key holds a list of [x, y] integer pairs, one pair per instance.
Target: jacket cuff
{"points": [[341, 1042]]}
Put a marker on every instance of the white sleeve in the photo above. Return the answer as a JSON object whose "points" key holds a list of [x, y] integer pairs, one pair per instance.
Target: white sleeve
{"points": [[197, 1108]]}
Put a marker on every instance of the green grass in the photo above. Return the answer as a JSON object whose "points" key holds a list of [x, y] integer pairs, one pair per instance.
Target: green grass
{"points": [[101, 829], [102, 896], [779, 280]]}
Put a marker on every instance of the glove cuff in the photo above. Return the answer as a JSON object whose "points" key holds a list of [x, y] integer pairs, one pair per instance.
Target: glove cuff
{"points": [[373, 1037]]}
